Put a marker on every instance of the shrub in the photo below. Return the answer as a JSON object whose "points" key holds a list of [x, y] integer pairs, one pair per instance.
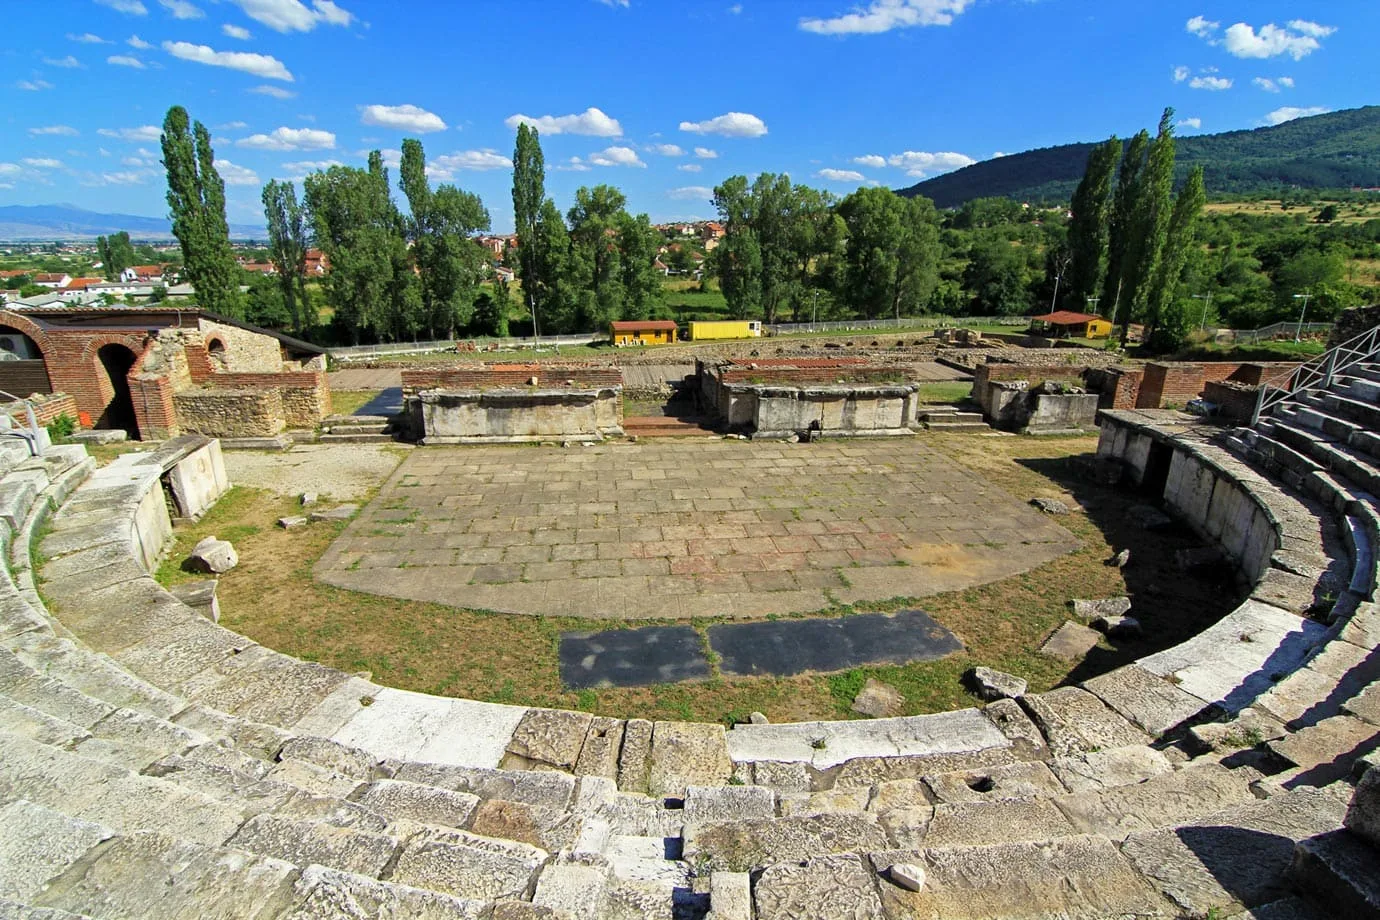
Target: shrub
{"points": [[61, 427]]}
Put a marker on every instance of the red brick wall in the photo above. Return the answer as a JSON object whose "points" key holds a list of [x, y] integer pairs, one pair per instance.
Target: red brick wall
{"points": [[1233, 401], [811, 375], [52, 407], [198, 363]]}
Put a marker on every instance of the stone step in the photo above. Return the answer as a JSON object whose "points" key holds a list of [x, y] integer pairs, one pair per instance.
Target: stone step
{"points": [[38, 844], [1342, 403], [360, 437], [334, 421], [307, 842], [95, 675], [1166, 800], [1326, 751], [275, 442], [1347, 461], [1235, 858], [1341, 872], [1366, 370]]}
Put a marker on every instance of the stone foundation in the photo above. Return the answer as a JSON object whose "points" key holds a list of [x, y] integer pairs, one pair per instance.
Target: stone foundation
{"points": [[504, 416], [778, 398], [230, 413]]}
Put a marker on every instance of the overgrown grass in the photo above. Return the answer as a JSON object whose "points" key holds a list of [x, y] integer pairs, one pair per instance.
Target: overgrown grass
{"points": [[944, 393], [348, 402], [1286, 350]]}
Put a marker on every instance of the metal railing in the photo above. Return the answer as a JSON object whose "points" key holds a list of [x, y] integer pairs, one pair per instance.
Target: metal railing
{"points": [[1276, 331], [32, 436], [907, 322], [1317, 373], [365, 352]]}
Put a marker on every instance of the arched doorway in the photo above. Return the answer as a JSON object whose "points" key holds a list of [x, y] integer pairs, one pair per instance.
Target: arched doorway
{"points": [[117, 360], [22, 368]]}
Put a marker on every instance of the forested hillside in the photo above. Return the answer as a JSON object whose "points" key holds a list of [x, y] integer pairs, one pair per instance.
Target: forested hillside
{"points": [[1337, 150]]}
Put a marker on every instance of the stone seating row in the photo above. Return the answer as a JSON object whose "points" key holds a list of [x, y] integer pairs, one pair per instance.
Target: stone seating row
{"points": [[231, 693]]}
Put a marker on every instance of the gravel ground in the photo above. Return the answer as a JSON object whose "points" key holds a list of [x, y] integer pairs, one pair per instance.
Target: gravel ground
{"points": [[335, 470]]}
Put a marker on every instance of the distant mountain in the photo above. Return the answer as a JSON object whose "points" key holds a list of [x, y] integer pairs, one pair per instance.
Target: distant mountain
{"points": [[69, 222], [1337, 150]]}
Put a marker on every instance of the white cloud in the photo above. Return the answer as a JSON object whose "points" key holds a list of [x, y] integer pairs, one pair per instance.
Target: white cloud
{"points": [[840, 175], [1273, 86], [691, 193], [34, 86], [704, 153], [86, 38], [623, 4], [134, 161], [574, 164], [277, 92], [919, 164], [182, 9], [1286, 82], [591, 122], [730, 124], [10, 169], [1201, 26], [1242, 41], [125, 60], [290, 139], [617, 156], [60, 130], [261, 65], [1181, 74], [236, 175], [141, 135], [42, 162], [130, 177], [1290, 112], [135, 41], [402, 117], [472, 160], [690, 167], [133, 7], [294, 16], [1211, 84], [872, 160], [667, 150], [234, 31], [68, 61], [885, 15], [1311, 28], [232, 126], [735, 9], [1194, 123]]}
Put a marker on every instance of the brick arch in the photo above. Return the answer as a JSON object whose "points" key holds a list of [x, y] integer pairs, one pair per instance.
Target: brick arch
{"points": [[29, 328]]}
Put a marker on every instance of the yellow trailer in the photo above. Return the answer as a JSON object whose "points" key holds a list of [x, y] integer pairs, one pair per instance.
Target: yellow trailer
{"points": [[725, 329]]}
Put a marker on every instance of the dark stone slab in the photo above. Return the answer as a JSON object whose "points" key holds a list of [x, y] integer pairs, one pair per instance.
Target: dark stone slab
{"points": [[632, 657], [387, 402], [785, 647]]}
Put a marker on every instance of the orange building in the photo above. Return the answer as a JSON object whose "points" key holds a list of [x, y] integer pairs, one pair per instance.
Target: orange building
{"points": [[643, 332]]}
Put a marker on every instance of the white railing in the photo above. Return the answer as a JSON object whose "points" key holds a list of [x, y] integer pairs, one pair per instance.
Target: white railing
{"points": [[1317, 373], [1277, 331], [391, 349], [31, 435], [905, 322]]}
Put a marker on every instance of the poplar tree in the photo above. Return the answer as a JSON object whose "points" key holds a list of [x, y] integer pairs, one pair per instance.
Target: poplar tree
{"points": [[196, 203], [529, 200], [1088, 229], [1150, 223], [287, 246], [1170, 325], [1120, 225], [116, 254]]}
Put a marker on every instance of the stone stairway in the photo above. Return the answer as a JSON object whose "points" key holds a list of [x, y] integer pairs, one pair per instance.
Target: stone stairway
{"points": [[951, 418], [157, 764], [666, 426], [356, 429]]}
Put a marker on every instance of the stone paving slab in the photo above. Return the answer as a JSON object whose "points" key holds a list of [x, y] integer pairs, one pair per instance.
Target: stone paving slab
{"points": [[632, 657], [675, 530], [786, 647]]}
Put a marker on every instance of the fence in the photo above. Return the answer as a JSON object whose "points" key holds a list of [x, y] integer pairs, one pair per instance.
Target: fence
{"points": [[907, 322], [1274, 331], [393, 349]]}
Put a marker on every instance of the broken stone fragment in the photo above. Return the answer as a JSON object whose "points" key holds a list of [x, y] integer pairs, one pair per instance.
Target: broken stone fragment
{"points": [[292, 522], [1121, 559], [757, 718], [200, 596], [213, 556], [308, 498], [1050, 505], [990, 684], [878, 700], [1106, 607], [338, 513], [1118, 627], [907, 875]]}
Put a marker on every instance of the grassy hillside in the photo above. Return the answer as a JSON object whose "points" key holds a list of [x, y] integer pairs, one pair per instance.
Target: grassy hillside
{"points": [[1337, 150]]}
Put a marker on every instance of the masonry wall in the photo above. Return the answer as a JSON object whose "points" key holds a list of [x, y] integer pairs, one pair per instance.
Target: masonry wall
{"points": [[229, 413], [511, 376], [245, 352], [1176, 383], [513, 415], [305, 396], [47, 409]]}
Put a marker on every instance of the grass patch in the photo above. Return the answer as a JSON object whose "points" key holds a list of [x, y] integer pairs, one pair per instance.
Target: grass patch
{"points": [[948, 392], [348, 402]]}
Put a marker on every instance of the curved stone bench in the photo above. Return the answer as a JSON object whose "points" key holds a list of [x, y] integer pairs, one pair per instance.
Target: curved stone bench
{"points": [[347, 790]]}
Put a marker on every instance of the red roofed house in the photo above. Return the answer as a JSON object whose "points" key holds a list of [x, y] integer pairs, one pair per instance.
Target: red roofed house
{"points": [[52, 280], [1081, 325]]}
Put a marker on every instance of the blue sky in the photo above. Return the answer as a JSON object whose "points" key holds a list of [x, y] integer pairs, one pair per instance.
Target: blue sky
{"points": [[662, 98]]}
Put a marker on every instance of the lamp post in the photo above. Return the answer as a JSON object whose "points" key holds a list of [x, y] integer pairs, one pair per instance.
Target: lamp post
{"points": [[1207, 302], [1298, 333]]}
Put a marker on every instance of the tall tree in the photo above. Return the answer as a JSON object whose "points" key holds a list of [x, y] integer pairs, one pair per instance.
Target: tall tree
{"points": [[196, 202], [594, 255], [1170, 325], [116, 254], [638, 242], [738, 258], [1150, 224], [548, 286], [1120, 228], [529, 201], [892, 253], [288, 241], [449, 262], [1088, 229]]}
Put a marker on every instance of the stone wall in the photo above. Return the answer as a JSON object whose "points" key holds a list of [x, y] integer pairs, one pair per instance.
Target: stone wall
{"points": [[242, 351], [304, 396], [1175, 384], [511, 376], [229, 413], [845, 397], [1352, 323], [514, 415], [1235, 401]]}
